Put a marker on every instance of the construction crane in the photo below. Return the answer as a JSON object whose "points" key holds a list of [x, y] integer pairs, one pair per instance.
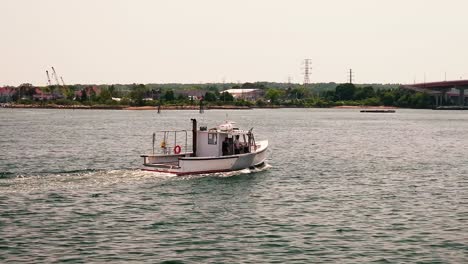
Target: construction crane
{"points": [[48, 78], [55, 76], [61, 78]]}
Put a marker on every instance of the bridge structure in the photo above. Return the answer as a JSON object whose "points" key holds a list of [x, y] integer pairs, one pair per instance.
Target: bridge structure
{"points": [[443, 92]]}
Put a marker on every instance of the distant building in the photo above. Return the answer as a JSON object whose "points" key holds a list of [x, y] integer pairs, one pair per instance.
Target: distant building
{"points": [[90, 90], [40, 95], [192, 94], [6, 94], [26, 91], [246, 94]]}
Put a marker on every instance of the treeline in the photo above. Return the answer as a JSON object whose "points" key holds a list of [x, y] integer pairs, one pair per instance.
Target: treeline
{"points": [[289, 96], [269, 94], [349, 94], [316, 87]]}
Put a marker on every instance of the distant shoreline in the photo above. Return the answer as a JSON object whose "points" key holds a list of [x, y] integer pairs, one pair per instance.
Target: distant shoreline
{"points": [[364, 107], [122, 107], [177, 107]]}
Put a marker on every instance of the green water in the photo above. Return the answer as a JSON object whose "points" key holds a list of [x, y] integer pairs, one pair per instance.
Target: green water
{"points": [[340, 187]]}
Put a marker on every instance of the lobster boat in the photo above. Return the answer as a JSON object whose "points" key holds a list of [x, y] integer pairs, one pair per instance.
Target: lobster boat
{"points": [[219, 149]]}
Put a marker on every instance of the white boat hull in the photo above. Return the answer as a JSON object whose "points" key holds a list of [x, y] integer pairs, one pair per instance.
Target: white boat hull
{"points": [[184, 164]]}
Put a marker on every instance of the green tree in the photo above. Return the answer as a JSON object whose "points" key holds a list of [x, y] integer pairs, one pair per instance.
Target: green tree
{"points": [[345, 91], [84, 96], [403, 101], [226, 97], [364, 93], [328, 95], [210, 97], [138, 94], [420, 100], [388, 98], [243, 102], [260, 103], [169, 95], [181, 97], [69, 92], [105, 95], [112, 90], [297, 93], [213, 88], [93, 96], [274, 95], [256, 85]]}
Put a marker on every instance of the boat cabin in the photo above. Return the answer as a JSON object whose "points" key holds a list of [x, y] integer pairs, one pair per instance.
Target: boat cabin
{"points": [[223, 140]]}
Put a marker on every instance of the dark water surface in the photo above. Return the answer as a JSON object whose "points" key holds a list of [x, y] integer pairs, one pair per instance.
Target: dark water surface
{"points": [[342, 187]]}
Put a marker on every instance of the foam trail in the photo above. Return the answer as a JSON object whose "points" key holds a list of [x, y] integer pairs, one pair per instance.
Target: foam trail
{"points": [[239, 172], [100, 178], [75, 180]]}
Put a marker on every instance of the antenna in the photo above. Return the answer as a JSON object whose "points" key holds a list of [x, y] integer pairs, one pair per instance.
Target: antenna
{"points": [[351, 75], [307, 68]]}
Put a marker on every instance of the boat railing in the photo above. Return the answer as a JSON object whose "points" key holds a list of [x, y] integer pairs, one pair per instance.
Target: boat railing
{"points": [[171, 142]]}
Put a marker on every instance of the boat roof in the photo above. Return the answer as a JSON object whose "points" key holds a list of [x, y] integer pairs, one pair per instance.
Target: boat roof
{"points": [[228, 127], [231, 132]]}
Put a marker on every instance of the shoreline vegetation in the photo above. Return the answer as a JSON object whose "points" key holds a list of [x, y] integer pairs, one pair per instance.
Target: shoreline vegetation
{"points": [[177, 107], [214, 96]]}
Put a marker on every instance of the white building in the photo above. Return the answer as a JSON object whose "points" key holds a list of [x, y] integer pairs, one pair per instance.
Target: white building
{"points": [[246, 94]]}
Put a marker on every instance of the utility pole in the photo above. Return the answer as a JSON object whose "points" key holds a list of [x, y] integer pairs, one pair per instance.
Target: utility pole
{"points": [[201, 106], [351, 75], [158, 94], [307, 69]]}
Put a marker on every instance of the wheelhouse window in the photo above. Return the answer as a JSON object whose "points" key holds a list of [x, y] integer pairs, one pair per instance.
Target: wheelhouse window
{"points": [[212, 138]]}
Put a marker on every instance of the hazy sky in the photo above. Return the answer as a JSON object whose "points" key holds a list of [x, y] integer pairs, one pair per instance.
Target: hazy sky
{"points": [[199, 41]]}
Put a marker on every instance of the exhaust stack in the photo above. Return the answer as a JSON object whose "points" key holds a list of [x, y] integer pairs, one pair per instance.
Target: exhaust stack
{"points": [[194, 137]]}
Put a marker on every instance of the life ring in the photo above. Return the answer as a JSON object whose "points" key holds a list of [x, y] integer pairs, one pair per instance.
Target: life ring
{"points": [[177, 149]]}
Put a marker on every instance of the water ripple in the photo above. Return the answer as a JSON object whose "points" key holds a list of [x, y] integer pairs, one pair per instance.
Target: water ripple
{"points": [[340, 187]]}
